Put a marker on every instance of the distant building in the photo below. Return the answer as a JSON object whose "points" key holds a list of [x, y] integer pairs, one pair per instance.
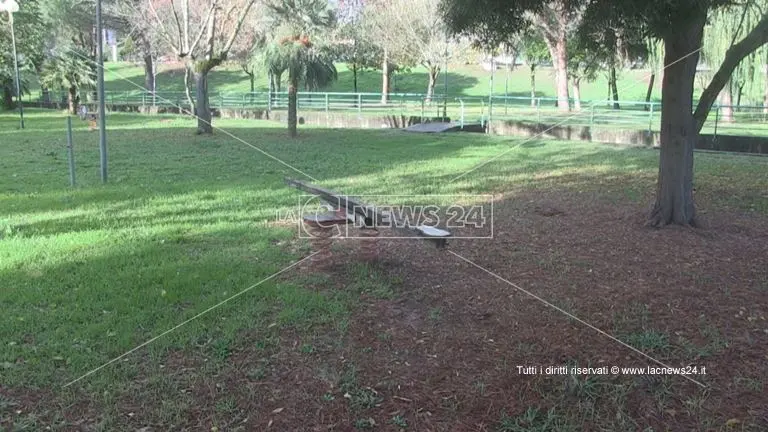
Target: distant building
{"points": [[501, 61]]}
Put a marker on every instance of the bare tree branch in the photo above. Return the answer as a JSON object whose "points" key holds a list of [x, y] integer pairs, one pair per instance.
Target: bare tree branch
{"points": [[735, 54], [236, 30], [185, 38], [178, 24], [410, 30], [187, 90], [208, 18], [229, 11], [163, 31], [210, 33]]}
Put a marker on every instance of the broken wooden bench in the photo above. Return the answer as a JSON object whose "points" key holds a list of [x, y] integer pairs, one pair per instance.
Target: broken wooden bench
{"points": [[346, 209]]}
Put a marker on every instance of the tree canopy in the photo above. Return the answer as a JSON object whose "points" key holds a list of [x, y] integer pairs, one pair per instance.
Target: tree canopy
{"points": [[295, 48], [679, 24]]}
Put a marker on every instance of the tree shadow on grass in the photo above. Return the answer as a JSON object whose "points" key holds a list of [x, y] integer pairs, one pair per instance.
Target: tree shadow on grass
{"points": [[171, 79], [75, 309], [415, 82], [369, 81], [536, 164], [202, 206], [170, 175]]}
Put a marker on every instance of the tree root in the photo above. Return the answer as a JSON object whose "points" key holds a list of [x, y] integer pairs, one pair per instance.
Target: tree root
{"points": [[657, 219]]}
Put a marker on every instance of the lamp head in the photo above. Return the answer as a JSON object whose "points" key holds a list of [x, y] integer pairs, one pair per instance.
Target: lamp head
{"points": [[9, 6]]}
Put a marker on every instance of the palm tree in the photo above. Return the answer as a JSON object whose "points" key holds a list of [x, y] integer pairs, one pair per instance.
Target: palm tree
{"points": [[70, 72], [296, 53], [8, 88]]}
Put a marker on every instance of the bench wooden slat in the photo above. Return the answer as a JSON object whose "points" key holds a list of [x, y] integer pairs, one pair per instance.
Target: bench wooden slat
{"points": [[371, 217], [428, 231], [326, 218]]}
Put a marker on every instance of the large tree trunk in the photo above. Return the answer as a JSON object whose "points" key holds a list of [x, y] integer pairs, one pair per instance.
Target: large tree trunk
{"points": [[726, 103], [385, 77], [765, 86], [149, 75], [270, 90], [293, 87], [559, 53], [252, 79], [72, 100], [275, 82], [679, 132], [614, 88], [8, 98], [650, 91], [433, 72], [533, 85], [354, 76], [149, 65], [513, 59], [576, 83], [188, 76], [203, 109]]}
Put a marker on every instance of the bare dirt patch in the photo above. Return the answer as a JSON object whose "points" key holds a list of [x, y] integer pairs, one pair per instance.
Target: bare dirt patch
{"points": [[434, 343], [444, 355]]}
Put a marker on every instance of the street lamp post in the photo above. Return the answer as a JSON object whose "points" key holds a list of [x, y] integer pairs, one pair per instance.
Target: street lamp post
{"points": [[11, 7], [445, 81], [100, 83]]}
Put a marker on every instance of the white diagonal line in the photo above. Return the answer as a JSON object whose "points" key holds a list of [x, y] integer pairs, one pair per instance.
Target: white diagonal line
{"points": [[191, 319], [623, 89], [198, 118], [570, 315]]}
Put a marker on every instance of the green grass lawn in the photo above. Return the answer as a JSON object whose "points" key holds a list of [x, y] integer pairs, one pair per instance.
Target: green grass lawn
{"points": [[186, 221], [467, 84], [463, 80]]}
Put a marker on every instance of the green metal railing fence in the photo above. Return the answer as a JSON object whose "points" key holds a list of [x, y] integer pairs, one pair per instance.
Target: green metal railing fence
{"points": [[741, 120]]}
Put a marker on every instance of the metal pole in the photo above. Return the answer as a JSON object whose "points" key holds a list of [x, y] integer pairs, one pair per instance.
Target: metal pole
{"points": [[102, 110], [16, 66], [482, 113], [70, 152], [506, 79], [490, 95], [538, 110], [445, 81], [650, 119]]}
